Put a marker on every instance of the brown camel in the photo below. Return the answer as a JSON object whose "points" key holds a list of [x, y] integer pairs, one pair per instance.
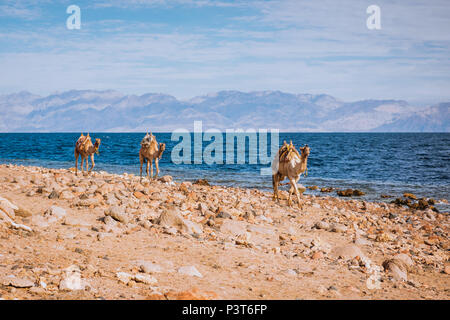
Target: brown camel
{"points": [[150, 150], [291, 165], [85, 148]]}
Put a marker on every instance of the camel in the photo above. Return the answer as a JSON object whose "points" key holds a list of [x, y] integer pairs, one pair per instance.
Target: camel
{"points": [[85, 148], [150, 150], [290, 165]]}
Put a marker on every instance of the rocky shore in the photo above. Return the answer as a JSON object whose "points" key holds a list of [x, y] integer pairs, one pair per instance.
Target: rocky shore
{"points": [[108, 236]]}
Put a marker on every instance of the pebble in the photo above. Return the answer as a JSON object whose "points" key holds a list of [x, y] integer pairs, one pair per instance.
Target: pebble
{"points": [[190, 271]]}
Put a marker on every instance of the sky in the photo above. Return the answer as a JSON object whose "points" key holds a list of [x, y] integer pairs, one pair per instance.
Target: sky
{"points": [[188, 48]]}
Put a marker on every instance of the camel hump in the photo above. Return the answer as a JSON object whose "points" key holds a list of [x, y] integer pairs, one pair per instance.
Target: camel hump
{"points": [[287, 152]]}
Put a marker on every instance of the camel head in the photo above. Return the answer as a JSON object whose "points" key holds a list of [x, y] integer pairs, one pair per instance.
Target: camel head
{"points": [[162, 147], [305, 150], [97, 145]]}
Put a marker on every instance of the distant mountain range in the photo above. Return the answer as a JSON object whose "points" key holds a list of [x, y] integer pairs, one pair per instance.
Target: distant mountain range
{"points": [[111, 111]]}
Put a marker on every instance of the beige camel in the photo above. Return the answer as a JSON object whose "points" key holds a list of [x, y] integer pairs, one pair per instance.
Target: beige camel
{"points": [[85, 149], [150, 150], [291, 165]]}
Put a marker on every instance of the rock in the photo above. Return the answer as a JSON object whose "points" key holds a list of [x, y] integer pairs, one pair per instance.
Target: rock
{"points": [[70, 221], [150, 267], [347, 252], [166, 179], [53, 195], [193, 294], [317, 255], [145, 278], [407, 262], [72, 279], [13, 281], [124, 277], [56, 212], [243, 239], [21, 212], [326, 189], [93, 202], [224, 215], [190, 271], [447, 269], [139, 195], [313, 187], [66, 195], [201, 182], [171, 218], [322, 225], [7, 207], [409, 196], [350, 192], [339, 228], [118, 213], [396, 270]]}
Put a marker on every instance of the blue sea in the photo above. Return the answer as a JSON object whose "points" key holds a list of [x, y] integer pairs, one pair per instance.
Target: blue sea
{"points": [[376, 163]]}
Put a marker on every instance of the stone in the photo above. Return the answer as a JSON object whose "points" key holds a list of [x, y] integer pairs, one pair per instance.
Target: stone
{"points": [[7, 207], [93, 202], [190, 271], [350, 192], [118, 213], [317, 255], [56, 212], [172, 218], [447, 269], [193, 294], [409, 196], [322, 225], [124, 277], [21, 212], [166, 179], [53, 195], [201, 182], [139, 195], [71, 280], [74, 221], [145, 278], [347, 252], [150, 267], [66, 195], [396, 270], [338, 228], [13, 281]]}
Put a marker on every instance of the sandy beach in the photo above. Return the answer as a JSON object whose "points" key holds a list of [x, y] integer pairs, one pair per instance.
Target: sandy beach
{"points": [[108, 236]]}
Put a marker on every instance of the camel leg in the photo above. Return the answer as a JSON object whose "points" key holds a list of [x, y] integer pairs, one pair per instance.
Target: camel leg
{"points": [[87, 165], [93, 163], [275, 182], [294, 185], [157, 168], [151, 167], [141, 160], [82, 164], [76, 161], [148, 177]]}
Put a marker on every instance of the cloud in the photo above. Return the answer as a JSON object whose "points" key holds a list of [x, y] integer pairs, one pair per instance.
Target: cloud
{"points": [[295, 46]]}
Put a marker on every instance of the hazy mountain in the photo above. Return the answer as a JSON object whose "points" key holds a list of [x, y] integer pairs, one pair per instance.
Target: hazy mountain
{"points": [[89, 110]]}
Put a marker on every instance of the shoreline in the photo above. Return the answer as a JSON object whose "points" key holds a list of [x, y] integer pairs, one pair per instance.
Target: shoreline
{"points": [[311, 189], [168, 240]]}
